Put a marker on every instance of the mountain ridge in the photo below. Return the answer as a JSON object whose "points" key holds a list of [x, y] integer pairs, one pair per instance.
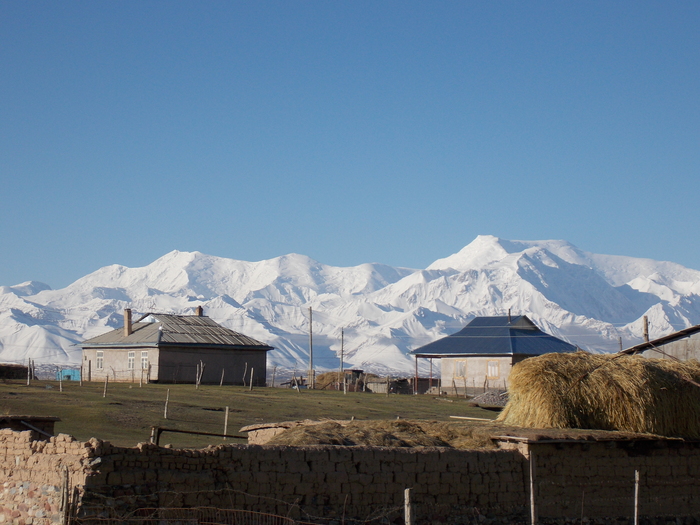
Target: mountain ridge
{"points": [[590, 300]]}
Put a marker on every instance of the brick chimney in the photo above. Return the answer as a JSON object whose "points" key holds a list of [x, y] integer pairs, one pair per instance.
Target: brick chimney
{"points": [[199, 311], [127, 322]]}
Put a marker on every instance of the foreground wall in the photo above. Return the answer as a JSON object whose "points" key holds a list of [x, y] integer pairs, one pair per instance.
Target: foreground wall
{"points": [[571, 479]]}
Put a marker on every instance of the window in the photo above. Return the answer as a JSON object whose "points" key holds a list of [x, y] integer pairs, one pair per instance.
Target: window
{"points": [[144, 359], [460, 369], [100, 359], [130, 360], [493, 370]]}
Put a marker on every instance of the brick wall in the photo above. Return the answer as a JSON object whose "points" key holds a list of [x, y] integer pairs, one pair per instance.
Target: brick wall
{"points": [[572, 479]]}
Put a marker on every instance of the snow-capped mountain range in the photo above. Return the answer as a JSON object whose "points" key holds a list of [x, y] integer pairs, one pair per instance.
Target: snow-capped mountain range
{"points": [[590, 300]]}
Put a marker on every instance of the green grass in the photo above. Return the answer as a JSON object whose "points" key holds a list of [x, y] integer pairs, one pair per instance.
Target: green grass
{"points": [[125, 416]]}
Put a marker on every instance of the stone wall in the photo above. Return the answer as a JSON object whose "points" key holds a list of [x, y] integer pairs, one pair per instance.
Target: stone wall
{"points": [[321, 483]]}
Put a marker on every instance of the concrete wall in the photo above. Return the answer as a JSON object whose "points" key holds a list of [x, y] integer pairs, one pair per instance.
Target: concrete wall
{"points": [[683, 349], [571, 479], [477, 373]]}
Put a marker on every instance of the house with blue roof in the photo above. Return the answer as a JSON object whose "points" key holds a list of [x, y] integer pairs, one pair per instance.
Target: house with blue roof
{"points": [[482, 354]]}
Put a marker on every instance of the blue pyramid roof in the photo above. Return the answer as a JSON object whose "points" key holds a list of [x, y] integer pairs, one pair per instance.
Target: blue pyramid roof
{"points": [[489, 336]]}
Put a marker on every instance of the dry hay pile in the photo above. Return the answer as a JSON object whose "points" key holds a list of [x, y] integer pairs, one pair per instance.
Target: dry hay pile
{"points": [[397, 433], [607, 392]]}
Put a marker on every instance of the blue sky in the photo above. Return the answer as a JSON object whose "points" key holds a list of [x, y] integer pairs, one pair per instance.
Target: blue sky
{"points": [[351, 132]]}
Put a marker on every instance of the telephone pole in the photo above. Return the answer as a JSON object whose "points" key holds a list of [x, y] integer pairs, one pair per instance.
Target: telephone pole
{"points": [[311, 350]]}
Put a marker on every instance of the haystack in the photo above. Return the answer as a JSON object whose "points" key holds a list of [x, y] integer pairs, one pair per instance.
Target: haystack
{"points": [[607, 392]]}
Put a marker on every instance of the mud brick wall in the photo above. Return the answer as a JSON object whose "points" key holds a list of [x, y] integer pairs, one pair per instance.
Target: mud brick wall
{"points": [[572, 479], [32, 475], [308, 482], [598, 479]]}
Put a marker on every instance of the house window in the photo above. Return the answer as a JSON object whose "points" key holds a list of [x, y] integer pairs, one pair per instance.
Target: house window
{"points": [[130, 360], [144, 359], [460, 369], [100, 359], [493, 370]]}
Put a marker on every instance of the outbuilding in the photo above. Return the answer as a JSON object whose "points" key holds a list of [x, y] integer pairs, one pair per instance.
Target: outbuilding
{"points": [[683, 345], [480, 356], [167, 348]]}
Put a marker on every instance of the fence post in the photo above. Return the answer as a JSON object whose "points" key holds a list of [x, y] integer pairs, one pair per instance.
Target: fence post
{"points": [[533, 507], [408, 514], [636, 497], [226, 424]]}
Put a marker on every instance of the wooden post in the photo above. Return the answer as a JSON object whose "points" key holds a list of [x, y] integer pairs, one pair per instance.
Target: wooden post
{"points": [[533, 507], [311, 350], [245, 373], [141, 378], [465, 387], [196, 377], [387, 386], [29, 370], [252, 371], [415, 383], [90, 371], [407, 507], [646, 329], [104, 392], [226, 424], [60, 379], [430, 381], [222, 379], [81, 375], [167, 398], [636, 497], [274, 371]]}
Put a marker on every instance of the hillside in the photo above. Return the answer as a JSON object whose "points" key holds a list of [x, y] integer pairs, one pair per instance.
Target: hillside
{"points": [[588, 299]]}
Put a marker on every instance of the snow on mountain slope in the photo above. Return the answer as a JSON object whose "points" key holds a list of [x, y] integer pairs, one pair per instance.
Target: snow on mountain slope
{"points": [[590, 300]]}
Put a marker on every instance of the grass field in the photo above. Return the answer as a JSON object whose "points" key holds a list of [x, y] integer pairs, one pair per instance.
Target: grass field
{"points": [[125, 416]]}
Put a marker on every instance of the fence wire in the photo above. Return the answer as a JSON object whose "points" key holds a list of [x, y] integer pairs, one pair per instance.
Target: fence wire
{"points": [[189, 516]]}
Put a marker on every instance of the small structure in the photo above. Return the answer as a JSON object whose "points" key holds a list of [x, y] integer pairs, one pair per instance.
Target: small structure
{"points": [[41, 426], [12, 371], [480, 356], [683, 345], [68, 374], [167, 348]]}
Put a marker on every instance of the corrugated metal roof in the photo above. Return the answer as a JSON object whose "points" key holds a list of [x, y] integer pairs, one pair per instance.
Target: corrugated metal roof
{"points": [[177, 330], [497, 335]]}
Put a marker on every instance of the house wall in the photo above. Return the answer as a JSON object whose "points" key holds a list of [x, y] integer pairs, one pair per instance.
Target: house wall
{"points": [[477, 375], [115, 364], [683, 349], [177, 365]]}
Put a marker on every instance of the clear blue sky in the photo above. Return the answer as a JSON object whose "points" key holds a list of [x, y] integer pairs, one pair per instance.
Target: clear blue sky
{"points": [[351, 132]]}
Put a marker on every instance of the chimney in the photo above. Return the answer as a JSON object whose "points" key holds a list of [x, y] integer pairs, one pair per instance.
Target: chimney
{"points": [[646, 329], [127, 322], [199, 311]]}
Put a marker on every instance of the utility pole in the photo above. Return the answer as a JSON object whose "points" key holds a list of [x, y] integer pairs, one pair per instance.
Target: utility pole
{"points": [[311, 350], [341, 376]]}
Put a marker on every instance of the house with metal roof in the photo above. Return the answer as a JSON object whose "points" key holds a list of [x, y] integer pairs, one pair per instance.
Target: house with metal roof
{"points": [[168, 348], [481, 355]]}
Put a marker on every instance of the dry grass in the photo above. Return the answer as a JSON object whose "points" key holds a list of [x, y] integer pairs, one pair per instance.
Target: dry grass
{"points": [[399, 433], [607, 392]]}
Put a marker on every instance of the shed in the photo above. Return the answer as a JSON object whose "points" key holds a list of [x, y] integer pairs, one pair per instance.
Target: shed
{"points": [[683, 345], [167, 348], [480, 356]]}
